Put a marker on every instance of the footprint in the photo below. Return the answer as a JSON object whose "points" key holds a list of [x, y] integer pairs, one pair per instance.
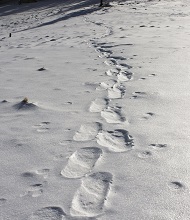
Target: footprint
{"points": [[68, 103], [148, 115], [81, 162], [117, 91], [139, 95], [101, 50], [112, 72], [108, 46], [36, 174], [42, 127], [43, 172], [91, 85], [42, 130], [46, 122], [153, 74], [176, 185], [2, 201], [124, 76], [65, 142], [87, 131], [41, 69], [110, 62], [144, 154], [118, 140], [118, 57], [98, 105], [35, 190], [124, 65], [106, 85], [48, 213], [104, 55], [28, 175], [89, 199], [112, 115], [158, 146]]}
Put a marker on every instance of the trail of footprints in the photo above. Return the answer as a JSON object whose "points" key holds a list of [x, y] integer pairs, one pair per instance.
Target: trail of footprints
{"points": [[89, 199]]}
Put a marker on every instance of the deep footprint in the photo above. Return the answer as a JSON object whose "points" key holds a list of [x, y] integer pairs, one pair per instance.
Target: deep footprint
{"points": [[110, 62], [81, 162], [89, 199], [35, 190], [117, 91], [112, 72], [113, 115], [118, 140], [124, 76], [87, 131], [98, 105], [48, 213], [106, 85], [101, 50]]}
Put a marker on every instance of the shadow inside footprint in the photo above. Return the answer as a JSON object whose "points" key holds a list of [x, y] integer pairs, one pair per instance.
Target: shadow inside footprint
{"points": [[137, 95], [41, 69], [117, 91], [158, 145], [118, 140], [124, 76], [87, 131], [144, 154], [34, 190], [81, 162], [148, 115], [98, 105], [176, 185], [48, 213], [28, 175], [113, 115], [89, 199]]}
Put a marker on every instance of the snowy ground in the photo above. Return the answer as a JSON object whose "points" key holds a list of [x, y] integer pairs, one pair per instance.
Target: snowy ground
{"points": [[94, 110]]}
